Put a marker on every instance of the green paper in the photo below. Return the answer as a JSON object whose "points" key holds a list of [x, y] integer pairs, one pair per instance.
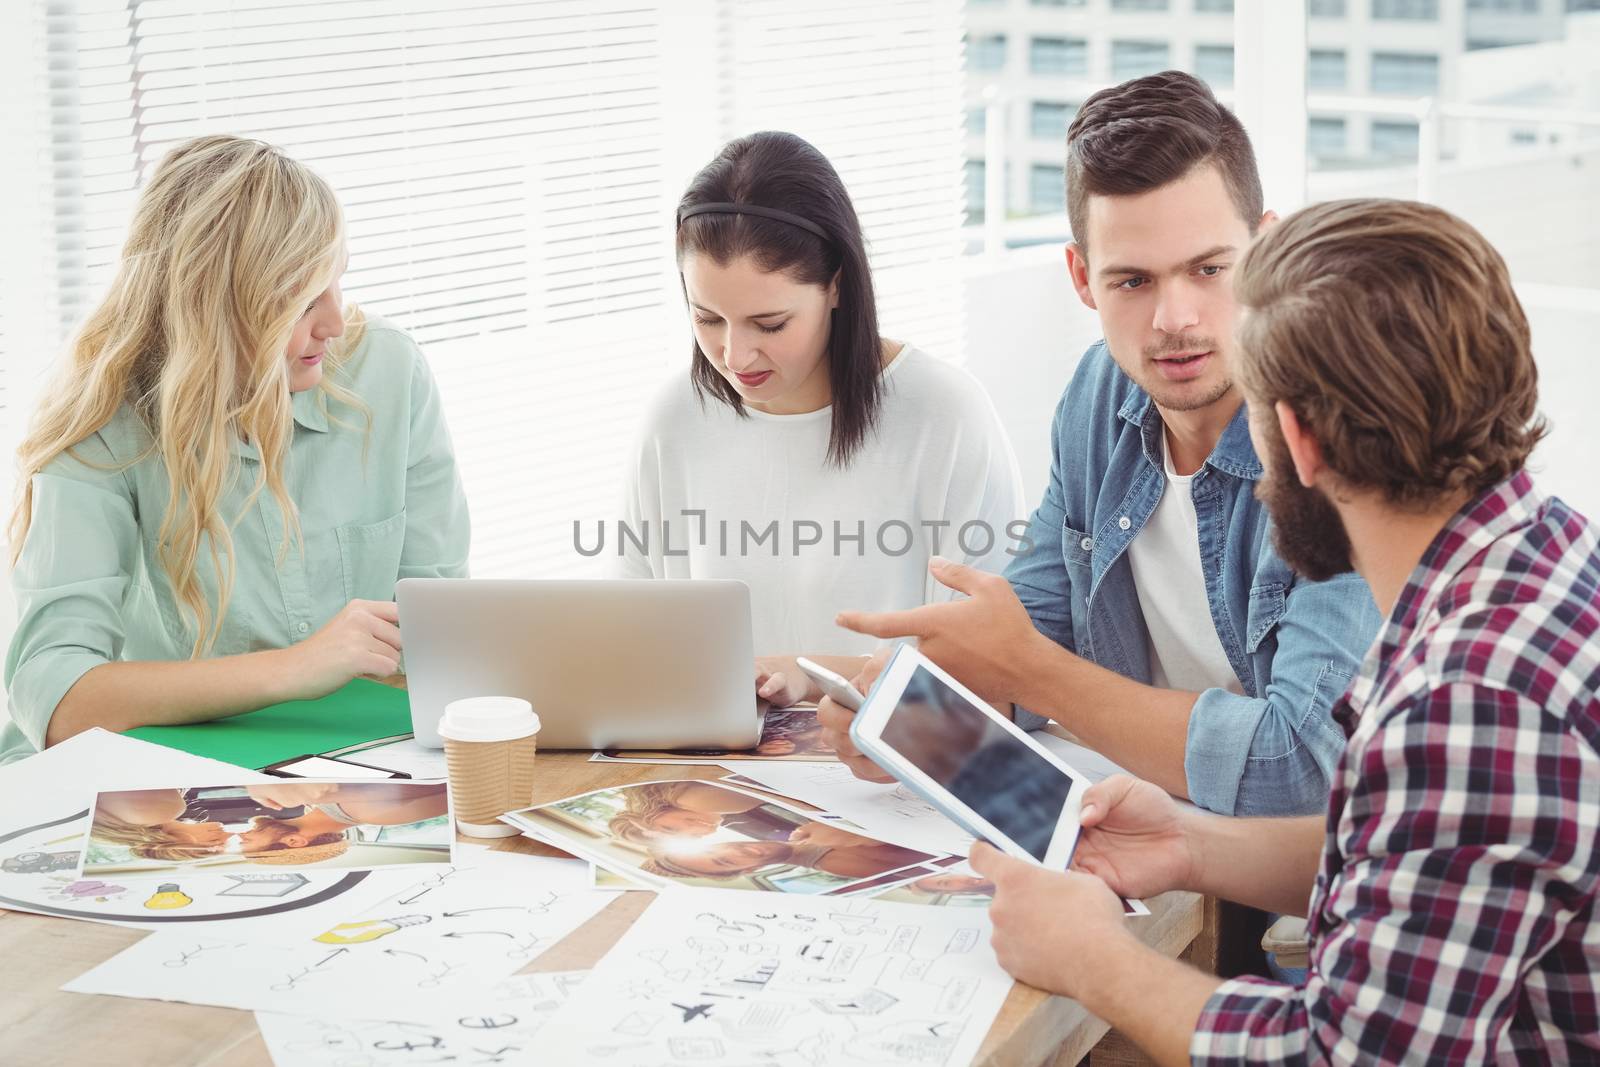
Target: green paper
{"points": [[361, 711]]}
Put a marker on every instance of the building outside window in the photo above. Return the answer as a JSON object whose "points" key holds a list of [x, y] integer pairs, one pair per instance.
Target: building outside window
{"points": [[1326, 137], [1059, 56], [1047, 189], [1394, 140], [1048, 120], [1326, 9], [1134, 59], [1213, 64], [1217, 7], [976, 176], [1326, 69], [1412, 74], [987, 53], [1422, 10]]}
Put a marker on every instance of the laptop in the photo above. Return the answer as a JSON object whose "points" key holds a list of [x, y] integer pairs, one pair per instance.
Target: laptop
{"points": [[619, 663]]}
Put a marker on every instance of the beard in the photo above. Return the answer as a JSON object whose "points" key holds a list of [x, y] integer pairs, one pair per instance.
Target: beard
{"points": [[1306, 528]]}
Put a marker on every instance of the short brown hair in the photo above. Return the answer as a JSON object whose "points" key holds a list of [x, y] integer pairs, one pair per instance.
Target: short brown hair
{"points": [[1391, 330], [1149, 132]]}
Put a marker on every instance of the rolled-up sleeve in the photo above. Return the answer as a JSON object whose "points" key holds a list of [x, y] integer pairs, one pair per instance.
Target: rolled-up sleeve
{"points": [[77, 563], [1275, 754], [438, 529]]}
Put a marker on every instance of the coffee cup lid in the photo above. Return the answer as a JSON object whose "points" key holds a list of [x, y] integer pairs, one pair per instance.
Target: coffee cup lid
{"points": [[488, 719]]}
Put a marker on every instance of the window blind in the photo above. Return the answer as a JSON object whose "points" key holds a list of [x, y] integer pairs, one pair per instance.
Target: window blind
{"points": [[508, 169]]}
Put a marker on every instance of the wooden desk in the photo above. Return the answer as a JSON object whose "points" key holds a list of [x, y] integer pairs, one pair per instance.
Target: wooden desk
{"points": [[39, 1024]]}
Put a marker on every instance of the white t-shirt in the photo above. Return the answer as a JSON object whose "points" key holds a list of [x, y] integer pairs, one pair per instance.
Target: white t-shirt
{"points": [[937, 455], [1185, 652]]}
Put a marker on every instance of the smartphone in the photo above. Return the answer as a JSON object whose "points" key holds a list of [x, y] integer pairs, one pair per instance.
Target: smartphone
{"points": [[327, 767], [843, 693]]}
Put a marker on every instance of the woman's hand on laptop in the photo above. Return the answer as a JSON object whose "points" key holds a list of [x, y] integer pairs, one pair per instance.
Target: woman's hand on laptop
{"points": [[780, 681], [835, 721]]}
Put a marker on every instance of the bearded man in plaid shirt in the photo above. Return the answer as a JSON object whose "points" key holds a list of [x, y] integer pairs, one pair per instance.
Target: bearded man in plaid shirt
{"points": [[1452, 885]]}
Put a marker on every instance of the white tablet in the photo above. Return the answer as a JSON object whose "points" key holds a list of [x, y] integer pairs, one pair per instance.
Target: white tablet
{"points": [[980, 769]]}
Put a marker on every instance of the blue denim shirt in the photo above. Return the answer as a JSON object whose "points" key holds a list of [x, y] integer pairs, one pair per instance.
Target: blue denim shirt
{"points": [[1294, 644]]}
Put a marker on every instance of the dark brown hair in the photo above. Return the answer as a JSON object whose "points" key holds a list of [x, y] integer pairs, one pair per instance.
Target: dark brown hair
{"points": [[1391, 329], [1148, 132], [782, 171]]}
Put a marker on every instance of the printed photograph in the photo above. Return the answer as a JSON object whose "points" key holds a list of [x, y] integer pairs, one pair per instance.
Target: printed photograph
{"points": [[288, 826], [786, 734], [707, 834], [959, 887]]}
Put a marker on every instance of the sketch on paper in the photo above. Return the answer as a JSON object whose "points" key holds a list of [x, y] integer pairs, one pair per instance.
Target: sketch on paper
{"points": [[844, 980], [500, 1028], [422, 947]]}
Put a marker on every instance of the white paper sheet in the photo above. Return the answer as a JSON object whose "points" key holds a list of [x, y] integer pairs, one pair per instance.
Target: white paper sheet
{"points": [[891, 812], [1086, 761], [500, 1029], [428, 946], [44, 816], [404, 755], [734, 978]]}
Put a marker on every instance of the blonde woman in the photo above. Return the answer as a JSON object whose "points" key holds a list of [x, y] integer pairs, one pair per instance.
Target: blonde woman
{"points": [[220, 491], [150, 823], [658, 810]]}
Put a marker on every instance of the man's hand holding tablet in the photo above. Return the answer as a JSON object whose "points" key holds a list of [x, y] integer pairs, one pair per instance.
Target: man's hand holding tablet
{"points": [[929, 731]]}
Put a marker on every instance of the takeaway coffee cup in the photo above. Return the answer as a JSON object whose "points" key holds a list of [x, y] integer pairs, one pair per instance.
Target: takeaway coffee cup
{"points": [[489, 746]]}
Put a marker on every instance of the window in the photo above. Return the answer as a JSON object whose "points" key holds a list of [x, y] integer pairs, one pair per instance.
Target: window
{"points": [[1138, 5], [1048, 121], [1427, 10], [1325, 69], [1047, 189], [1059, 56], [1517, 7], [987, 53], [504, 172], [1134, 59], [1524, 136], [1213, 64], [1325, 137], [1326, 9], [1058, 3], [1219, 7], [976, 176], [1404, 72], [977, 120], [1394, 140]]}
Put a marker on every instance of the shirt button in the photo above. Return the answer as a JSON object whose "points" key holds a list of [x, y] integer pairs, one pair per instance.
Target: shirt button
{"points": [[303, 627], [1124, 522], [1086, 544]]}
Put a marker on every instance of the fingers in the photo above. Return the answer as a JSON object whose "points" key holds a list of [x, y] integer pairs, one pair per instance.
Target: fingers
{"points": [[957, 576], [1100, 798], [885, 624], [387, 632], [773, 685], [387, 610], [982, 856]]}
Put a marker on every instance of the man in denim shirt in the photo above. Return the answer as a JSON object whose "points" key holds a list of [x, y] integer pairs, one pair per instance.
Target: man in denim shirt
{"points": [[1149, 613]]}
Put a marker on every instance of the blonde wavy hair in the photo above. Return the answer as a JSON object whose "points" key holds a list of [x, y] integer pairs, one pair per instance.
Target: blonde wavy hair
{"points": [[642, 806], [148, 842], [230, 241]]}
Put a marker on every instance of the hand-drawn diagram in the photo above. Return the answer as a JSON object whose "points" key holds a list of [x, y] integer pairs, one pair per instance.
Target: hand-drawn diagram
{"points": [[500, 1029], [463, 929], [860, 982], [36, 874]]}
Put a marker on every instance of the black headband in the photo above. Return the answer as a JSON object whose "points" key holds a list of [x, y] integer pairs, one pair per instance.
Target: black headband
{"points": [[752, 209]]}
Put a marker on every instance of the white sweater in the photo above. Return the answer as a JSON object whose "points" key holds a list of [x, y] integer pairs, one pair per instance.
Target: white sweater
{"points": [[938, 455]]}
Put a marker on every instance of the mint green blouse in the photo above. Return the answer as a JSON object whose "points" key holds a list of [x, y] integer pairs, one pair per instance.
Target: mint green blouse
{"points": [[89, 585]]}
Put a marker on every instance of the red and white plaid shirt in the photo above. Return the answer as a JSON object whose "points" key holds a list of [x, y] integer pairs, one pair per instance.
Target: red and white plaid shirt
{"points": [[1454, 917]]}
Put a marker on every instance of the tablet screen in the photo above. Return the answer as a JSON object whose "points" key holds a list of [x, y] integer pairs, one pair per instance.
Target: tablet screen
{"points": [[1019, 791]]}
